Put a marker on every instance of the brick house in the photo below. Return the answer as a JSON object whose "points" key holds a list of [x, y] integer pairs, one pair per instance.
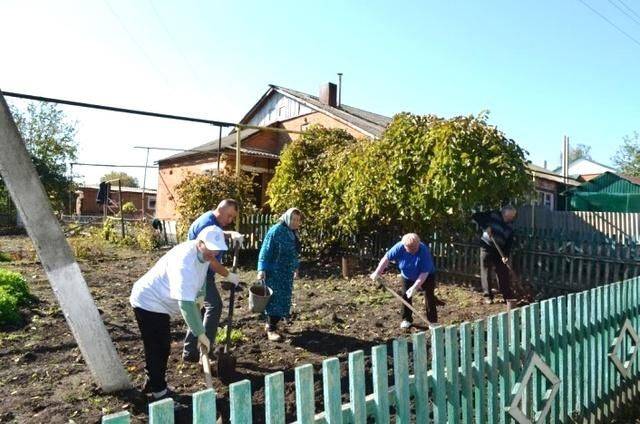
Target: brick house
{"points": [[279, 107], [85, 200]]}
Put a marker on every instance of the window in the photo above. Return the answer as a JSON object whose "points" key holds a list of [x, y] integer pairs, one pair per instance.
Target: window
{"points": [[545, 199], [151, 202], [282, 111]]}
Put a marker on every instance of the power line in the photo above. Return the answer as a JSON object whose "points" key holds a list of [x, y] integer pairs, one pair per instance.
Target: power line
{"points": [[146, 113], [175, 43], [624, 12], [629, 8], [138, 45], [111, 165], [609, 22]]}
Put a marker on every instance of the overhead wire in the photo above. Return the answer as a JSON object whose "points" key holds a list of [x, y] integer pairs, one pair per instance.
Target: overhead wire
{"points": [[624, 12], [610, 22]]}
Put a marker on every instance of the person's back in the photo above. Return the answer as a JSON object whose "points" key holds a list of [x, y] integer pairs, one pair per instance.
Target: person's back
{"points": [[205, 220]]}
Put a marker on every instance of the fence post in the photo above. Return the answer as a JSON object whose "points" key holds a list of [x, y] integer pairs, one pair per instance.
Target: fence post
{"points": [[240, 402], [305, 403], [439, 382], [479, 362], [357, 387], [274, 398], [380, 383], [401, 380], [204, 406], [421, 377]]}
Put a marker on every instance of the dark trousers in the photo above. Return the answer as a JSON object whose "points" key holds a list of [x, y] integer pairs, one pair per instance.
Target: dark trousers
{"points": [[490, 258], [212, 312], [429, 287], [273, 321], [154, 328]]}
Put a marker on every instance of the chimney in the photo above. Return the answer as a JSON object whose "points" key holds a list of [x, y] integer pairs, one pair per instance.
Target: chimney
{"points": [[545, 164], [329, 94]]}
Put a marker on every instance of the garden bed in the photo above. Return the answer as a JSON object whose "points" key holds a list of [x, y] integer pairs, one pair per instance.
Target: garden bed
{"points": [[44, 379]]}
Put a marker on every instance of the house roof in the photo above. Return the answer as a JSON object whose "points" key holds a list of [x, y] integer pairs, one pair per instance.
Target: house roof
{"points": [[212, 146], [549, 175], [372, 124], [610, 182], [583, 160], [124, 189]]}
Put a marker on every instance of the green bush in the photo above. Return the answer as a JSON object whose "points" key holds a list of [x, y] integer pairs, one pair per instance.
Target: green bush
{"points": [[87, 247], [129, 208], [146, 237], [14, 293]]}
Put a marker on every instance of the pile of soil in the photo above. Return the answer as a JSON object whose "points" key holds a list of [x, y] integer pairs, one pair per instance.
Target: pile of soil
{"points": [[43, 377]]}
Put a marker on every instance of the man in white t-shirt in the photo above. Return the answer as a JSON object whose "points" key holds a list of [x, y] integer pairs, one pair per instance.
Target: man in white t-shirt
{"points": [[168, 289]]}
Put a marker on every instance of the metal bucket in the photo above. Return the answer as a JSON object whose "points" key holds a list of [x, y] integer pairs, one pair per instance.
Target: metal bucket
{"points": [[259, 296]]}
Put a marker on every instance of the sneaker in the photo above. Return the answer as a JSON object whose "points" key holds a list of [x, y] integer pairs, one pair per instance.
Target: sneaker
{"points": [[273, 336], [405, 324], [165, 394]]}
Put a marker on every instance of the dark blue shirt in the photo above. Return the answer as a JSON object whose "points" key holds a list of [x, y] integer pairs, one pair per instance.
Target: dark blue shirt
{"points": [[412, 265], [207, 219]]}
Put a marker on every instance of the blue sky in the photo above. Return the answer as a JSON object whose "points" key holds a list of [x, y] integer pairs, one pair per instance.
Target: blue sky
{"points": [[543, 69]]}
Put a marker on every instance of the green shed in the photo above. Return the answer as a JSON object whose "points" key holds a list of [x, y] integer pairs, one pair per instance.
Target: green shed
{"points": [[608, 192]]}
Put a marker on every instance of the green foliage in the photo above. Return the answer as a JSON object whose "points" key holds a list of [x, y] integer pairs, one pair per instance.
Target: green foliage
{"points": [[126, 180], [301, 178], [87, 247], [14, 293], [627, 158], [146, 237], [50, 139], [4, 257], [236, 335], [198, 193], [129, 208], [108, 231], [425, 174]]}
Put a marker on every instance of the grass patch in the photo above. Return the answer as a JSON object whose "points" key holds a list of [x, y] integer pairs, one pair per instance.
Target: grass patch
{"points": [[4, 257], [13, 294]]}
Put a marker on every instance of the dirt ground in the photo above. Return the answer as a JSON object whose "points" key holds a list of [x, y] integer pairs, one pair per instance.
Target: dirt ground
{"points": [[44, 379]]}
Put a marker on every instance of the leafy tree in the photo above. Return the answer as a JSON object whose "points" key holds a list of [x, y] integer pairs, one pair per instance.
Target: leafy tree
{"points": [[126, 179], [579, 151], [198, 193], [301, 176], [425, 173], [50, 139], [627, 158]]}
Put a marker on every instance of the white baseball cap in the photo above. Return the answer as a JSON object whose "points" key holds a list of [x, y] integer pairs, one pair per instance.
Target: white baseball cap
{"points": [[213, 238]]}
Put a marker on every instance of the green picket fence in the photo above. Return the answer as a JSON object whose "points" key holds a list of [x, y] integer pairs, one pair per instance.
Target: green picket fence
{"points": [[567, 359]]}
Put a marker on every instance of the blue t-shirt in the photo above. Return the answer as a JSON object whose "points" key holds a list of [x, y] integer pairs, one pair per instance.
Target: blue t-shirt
{"points": [[207, 219], [412, 265]]}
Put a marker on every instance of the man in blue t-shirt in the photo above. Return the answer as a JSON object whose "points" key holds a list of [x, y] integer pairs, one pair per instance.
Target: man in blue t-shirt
{"points": [[222, 216], [417, 271]]}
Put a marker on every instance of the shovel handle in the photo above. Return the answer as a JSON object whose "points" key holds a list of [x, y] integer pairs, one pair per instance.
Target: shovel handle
{"points": [[404, 302], [206, 367]]}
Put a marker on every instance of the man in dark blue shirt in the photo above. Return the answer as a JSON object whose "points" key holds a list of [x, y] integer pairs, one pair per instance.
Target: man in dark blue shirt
{"points": [[222, 216], [417, 271], [496, 227]]}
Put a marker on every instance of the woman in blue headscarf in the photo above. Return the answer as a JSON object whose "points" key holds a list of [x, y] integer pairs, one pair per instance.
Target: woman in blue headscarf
{"points": [[277, 264]]}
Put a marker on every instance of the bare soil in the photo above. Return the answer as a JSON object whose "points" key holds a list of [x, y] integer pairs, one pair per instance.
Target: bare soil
{"points": [[44, 379]]}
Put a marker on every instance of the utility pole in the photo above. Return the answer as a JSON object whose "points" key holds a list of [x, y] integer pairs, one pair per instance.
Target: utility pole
{"points": [[239, 129]]}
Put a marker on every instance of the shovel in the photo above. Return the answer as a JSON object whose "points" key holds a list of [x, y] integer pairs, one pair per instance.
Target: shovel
{"points": [[206, 367], [404, 302], [514, 276], [226, 362]]}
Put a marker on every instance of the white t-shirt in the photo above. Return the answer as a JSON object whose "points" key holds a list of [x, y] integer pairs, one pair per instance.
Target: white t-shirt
{"points": [[178, 275]]}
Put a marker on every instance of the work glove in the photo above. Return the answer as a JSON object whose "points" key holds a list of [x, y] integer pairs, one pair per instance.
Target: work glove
{"points": [[236, 237], [204, 343], [412, 290], [200, 302], [505, 260], [233, 278], [261, 276]]}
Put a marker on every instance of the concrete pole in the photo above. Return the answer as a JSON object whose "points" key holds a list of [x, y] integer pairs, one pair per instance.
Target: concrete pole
{"points": [[57, 259]]}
